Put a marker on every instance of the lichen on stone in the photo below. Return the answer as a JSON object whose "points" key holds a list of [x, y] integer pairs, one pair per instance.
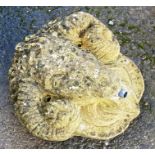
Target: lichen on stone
{"points": [[70, 79]]}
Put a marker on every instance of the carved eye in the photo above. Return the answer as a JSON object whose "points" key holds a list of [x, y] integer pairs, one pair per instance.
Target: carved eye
{"points": [[123, 93]]}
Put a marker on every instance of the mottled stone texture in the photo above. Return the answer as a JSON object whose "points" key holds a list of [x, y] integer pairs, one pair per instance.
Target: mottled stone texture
{"points": [[135, 30], [70, 79]]}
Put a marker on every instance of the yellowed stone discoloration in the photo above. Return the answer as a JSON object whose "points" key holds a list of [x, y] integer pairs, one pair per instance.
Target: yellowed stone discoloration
{"points": [[70, 79]]}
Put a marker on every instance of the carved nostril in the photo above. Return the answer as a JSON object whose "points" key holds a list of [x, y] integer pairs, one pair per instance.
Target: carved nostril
{"points": [[123, 93]]}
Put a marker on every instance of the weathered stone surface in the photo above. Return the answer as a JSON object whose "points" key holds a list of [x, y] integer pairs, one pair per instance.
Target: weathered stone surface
{"points": [[70, 79]]}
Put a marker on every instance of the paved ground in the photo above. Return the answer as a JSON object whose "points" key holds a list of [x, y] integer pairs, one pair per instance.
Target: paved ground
{"points": [[135, 29]]}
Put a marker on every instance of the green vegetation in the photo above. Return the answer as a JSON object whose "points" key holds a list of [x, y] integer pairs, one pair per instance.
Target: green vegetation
{"points": [[125, 40], [87, 8], [123, 37], [140, 45], [124, 23], [97, 12], [133, 27], [149, 57]]}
